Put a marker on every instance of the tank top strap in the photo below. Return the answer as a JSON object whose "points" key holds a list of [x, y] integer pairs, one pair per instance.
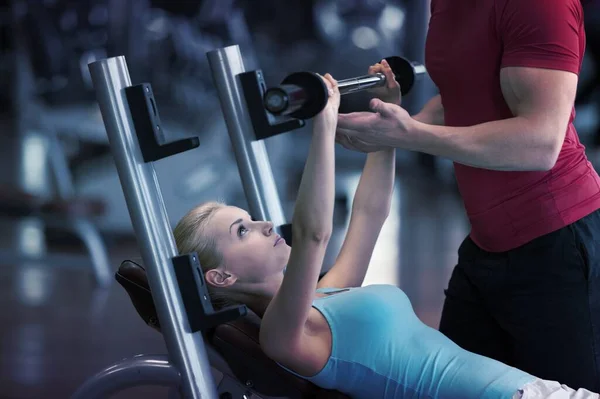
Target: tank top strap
{"points": [[326, 290]]}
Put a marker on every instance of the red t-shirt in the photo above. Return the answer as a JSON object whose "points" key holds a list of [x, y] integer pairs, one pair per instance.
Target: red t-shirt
{"points": [[469, 41]]}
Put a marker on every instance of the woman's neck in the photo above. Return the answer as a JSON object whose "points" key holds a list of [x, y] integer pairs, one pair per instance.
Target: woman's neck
{"points": [[257, 297], [257, 303]]}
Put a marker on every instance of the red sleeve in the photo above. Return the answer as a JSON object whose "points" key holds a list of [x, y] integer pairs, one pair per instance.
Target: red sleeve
{"points": [[542, 34]]}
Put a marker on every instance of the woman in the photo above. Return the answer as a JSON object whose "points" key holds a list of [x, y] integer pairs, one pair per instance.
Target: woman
{"points": [[364, 341]]}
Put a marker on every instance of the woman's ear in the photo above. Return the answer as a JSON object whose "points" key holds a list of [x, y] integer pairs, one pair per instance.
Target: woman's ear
{"points": [[219, 278]]}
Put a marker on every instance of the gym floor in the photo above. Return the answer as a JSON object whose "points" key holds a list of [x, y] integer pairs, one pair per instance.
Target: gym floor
{"points": [[56, 329]]}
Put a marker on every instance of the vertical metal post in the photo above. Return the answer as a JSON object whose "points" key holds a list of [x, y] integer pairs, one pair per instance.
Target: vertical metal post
{"points": [[251, 155], [152, 228]]}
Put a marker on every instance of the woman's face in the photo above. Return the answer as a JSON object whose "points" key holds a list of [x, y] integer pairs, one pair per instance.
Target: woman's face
{"points": [[252, 251]]}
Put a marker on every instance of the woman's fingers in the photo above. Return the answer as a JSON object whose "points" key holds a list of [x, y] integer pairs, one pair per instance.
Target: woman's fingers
{"points": [[390, 78]]}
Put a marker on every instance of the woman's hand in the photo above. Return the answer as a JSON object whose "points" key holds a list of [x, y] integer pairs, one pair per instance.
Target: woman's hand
{"points": [[329, 114], [390, 93]]}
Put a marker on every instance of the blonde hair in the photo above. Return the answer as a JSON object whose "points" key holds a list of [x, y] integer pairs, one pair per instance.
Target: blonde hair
{"points": [[192, 235]]}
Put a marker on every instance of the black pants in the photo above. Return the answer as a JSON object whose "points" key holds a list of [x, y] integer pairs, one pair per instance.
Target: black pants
{"points": [[536, 307]]}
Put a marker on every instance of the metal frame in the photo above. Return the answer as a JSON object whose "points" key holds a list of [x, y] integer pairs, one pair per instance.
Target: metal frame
{"points": [[129, 373], [250, 154], [187, 366], [187, 352]]}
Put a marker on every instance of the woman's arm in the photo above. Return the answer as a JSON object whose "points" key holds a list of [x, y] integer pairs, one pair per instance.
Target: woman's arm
{"points": [[432, 112], [371, 204], [282, 327], [370, 209]]}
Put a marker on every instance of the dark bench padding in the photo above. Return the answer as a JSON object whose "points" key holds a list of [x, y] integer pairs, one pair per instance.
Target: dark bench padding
{"points": [[237, 341]]}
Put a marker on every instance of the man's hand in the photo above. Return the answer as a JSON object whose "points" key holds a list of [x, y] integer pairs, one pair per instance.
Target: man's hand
{"points": [[351, 136], [389, 126], [355, 144]]}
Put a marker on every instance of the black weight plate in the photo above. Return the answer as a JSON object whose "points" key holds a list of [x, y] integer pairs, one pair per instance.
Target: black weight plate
{"points": [[404, 72], [315, 89]]}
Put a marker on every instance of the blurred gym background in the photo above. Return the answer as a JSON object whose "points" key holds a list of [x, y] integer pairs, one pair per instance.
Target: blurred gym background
{"points": [[64, 223]]}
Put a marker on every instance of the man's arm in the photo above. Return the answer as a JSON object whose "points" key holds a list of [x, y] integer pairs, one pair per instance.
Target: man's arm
{"points": [[541, 101], [540, 61], [541, 58]]}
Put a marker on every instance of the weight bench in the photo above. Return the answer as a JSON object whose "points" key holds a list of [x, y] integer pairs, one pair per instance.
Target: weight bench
{"points": [[235, 343]]}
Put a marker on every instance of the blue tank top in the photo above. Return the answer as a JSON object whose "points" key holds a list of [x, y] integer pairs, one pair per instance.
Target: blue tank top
{"points": [[380, 349]]}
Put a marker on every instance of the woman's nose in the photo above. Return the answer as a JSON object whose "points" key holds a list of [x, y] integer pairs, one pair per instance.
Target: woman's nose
{"points": [[268, 228]]}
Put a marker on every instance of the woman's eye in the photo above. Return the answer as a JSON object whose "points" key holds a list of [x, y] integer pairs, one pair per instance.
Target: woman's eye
{"points": [[242, 231]]}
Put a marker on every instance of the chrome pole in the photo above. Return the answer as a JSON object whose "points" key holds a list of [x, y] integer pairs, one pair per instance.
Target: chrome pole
{"points": [[150, 221], [251, 155]]}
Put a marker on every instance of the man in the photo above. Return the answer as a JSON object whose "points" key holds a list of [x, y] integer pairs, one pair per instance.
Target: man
{"points": [[526, 289]]}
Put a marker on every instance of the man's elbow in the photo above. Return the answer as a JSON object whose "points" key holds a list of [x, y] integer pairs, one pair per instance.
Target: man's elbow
{"points": [[549, 163], [549, 153]]}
